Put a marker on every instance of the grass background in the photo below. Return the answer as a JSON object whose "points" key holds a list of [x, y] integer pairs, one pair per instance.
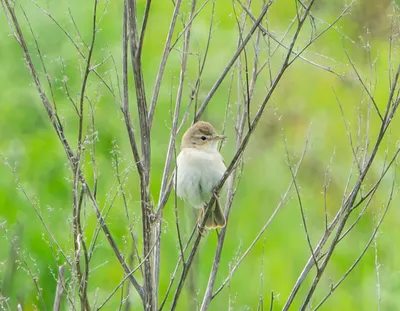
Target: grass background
{"points": [[304, 101]]}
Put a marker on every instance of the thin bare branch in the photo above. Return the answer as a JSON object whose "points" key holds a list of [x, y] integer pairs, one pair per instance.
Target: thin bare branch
{"points": [[59, 288], [368, 244], [232, 61], [363, 84], [277, 209], [60, 133], [164, 59]]}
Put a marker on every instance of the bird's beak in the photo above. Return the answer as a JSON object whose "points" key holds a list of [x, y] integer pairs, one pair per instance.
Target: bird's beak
{"points": [[218, 137]]}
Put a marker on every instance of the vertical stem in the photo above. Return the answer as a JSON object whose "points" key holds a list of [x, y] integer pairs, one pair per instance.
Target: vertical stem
{"points": [[149, 236]]}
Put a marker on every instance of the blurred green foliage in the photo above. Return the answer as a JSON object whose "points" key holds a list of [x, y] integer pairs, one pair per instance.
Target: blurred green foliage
{"points": [[33, 158]]}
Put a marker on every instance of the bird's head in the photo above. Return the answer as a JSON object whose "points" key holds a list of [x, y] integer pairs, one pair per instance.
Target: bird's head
{"points": [[201, 135]]}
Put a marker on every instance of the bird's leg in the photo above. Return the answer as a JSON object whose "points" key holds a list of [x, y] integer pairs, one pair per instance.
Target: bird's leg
{"points": [[200, 215], [216, 195]]}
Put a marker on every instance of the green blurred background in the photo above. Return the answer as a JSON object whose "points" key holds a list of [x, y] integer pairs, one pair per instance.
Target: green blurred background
{"points": [[304, 101]]}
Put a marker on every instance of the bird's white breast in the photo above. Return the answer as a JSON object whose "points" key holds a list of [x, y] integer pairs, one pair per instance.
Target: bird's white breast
{"points": [[198, 172]]}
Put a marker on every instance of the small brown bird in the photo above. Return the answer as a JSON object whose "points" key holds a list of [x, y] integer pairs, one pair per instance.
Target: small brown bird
{"points": [[199, 169]]}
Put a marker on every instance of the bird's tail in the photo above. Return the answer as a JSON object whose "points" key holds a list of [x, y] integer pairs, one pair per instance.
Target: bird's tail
{"points": [[216, 219]]}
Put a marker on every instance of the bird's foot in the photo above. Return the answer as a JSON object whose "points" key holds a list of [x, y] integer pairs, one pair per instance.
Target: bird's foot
{"points": [[202, 230], [216, 195]]}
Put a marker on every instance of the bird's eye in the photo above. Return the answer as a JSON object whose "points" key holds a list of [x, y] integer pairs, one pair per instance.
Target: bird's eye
{"points": [[203, 138]]}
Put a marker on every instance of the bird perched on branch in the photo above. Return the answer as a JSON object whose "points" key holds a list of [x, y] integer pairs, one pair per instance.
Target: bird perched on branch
{"points": [[200, 167]]}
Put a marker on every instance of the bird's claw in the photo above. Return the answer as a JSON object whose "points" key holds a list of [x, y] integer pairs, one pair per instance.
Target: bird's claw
{"points": [[202, 230], [216, 195]]}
